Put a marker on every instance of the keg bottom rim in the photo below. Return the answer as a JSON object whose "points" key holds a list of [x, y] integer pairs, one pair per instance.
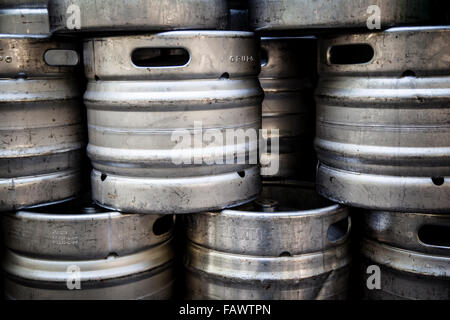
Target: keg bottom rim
{"points": [[383, 192], [175, 195], [40, 190]]}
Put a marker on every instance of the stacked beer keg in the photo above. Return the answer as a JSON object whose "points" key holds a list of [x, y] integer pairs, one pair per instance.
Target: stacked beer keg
{"points": [[382, 135], [179, 128], [290, 243]]}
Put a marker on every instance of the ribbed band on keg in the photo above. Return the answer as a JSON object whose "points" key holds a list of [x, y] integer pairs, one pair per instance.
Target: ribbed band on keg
{"points": [[382, 132], [136, 15], [144, 89], [42, 141], [276, 15]]}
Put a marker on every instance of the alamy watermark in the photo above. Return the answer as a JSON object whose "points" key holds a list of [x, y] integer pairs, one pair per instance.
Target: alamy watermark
{"points": [[226, 146], [73, 281], [374, 279], [73, 19], [374, 19]]}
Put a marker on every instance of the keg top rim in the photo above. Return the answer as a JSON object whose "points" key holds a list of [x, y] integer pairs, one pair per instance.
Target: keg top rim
{"points": [[322, 209]]}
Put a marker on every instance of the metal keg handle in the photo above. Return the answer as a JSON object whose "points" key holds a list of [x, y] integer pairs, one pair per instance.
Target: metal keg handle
{"points": [[339, 231], [350, 54], [433, 234], [61, 58]]}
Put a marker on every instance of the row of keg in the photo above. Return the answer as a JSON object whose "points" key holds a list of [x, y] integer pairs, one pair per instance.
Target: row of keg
{"points": [[289, 244], [382, 134], [81, 16]]}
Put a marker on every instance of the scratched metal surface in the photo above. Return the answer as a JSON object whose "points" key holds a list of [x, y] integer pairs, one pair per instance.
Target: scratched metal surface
{"points": [[41, 130], [137, 15], [383, 135], [270, 15], [134, 111], [413, 253], [288, 244], [120, 256]]}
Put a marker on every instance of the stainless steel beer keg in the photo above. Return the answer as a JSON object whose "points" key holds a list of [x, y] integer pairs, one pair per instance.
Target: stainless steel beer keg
{"points": [[288, 244], [24, 17], [72, 252], [288, 75], [173, 120], [276, 15], [41, 134], [71, 16], [383, 137], [410, 252]]}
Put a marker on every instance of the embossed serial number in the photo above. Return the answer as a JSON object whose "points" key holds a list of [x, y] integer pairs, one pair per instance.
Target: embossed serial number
{"points": [[242, 59]]}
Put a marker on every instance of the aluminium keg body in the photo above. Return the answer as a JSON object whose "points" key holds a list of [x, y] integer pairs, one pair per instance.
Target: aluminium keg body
{"points": [[412, 251], [383, 139], [289, 244], [112, 255], [73, 16], [282, 15], [288, 79], [40, 125], [148, 124], [24, 17]]}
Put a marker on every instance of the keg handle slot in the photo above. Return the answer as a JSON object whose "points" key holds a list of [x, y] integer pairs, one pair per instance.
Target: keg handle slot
{"points": [[61, 58], [163, 225], [339, 231], [160, 57], [348, 54], [437, 236]]}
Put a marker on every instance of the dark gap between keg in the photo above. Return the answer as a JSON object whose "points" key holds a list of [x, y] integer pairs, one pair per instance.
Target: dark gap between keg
{"points": [[163, 225], [160, 57], [264, 57], [351, 54], [338, 230], [433, 235]]}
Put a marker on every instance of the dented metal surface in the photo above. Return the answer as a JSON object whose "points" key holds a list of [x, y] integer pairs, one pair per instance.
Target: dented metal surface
{"points": [[413, 253], [41, 131], [112, 255], [383, 135], [288, 78], [24, 17], [137, 114], [288, 244], [273, 15], [71, 16]]}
